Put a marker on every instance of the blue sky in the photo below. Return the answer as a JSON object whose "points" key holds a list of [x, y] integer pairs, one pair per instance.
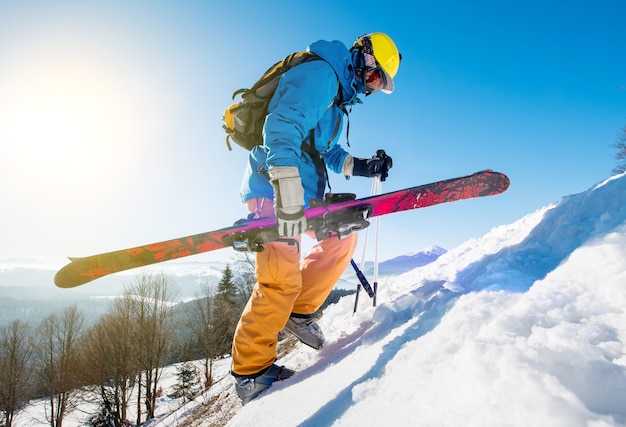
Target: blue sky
{"points": [[110, 112]]}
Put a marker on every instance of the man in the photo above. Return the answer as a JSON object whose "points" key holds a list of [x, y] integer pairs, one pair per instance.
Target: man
{"points": [[301, 132]]}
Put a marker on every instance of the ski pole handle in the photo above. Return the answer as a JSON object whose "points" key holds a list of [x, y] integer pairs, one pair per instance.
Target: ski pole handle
{"points": [[387, 164]]}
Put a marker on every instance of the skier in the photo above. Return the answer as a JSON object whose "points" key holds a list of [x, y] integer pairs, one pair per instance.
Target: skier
{"points": [[281, 176]]}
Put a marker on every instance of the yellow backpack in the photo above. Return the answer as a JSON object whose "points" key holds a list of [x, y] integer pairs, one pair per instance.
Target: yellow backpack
{"points": [[243, 120]]}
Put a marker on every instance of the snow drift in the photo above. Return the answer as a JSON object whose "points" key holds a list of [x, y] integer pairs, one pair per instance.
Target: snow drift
{"points": [[523, 326]]}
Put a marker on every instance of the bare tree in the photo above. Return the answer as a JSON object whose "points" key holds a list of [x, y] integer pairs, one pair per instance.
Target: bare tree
{"points": [[16, 351], [199, 319], [620, 156], [127, 348], [57, 359], [212, 317], [110, 362], [150, 302]]}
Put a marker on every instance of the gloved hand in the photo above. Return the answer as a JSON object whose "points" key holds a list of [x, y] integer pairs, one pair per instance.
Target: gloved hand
{"points": [[288, 200], [378, 165]]}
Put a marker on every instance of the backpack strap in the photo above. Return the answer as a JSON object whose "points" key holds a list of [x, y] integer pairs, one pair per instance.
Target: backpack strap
{"points": [[318, 162], [317, 157], [344, 110]]}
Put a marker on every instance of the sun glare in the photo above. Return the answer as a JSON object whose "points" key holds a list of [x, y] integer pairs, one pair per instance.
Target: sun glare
{"points": [[65, 126]]}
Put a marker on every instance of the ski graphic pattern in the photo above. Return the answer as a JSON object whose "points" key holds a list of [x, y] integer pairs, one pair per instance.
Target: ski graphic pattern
{"points": [[83, 270]]}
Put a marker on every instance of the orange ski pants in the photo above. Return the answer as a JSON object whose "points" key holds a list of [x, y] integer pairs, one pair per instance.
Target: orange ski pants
{"points": [[285, 285]]}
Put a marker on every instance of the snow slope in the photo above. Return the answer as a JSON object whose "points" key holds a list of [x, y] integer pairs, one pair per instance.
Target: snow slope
{"points": [[523, 326]]}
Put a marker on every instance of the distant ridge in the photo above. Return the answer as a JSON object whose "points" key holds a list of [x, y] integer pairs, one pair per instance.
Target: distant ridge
{"points": [[403, 263]]}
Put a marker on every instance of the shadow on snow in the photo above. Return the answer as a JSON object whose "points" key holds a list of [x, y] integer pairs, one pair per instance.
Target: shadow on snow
{"points": [[565, 227]]}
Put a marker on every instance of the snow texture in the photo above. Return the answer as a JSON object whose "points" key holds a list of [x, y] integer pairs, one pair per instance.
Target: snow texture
{"points": [[525, 326]]}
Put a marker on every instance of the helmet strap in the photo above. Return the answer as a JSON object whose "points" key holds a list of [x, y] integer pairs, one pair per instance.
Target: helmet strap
{"points": [[359, 68]]}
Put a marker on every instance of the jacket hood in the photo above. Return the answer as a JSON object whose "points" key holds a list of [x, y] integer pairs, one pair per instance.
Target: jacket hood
{"points": [[340, 59]]}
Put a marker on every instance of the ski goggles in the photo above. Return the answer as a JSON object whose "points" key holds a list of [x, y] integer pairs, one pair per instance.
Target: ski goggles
{"points": [[374, 80], [374, 77]]}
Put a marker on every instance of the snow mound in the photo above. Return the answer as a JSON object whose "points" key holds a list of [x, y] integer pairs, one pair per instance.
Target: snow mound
{"points": [[523, 326]]}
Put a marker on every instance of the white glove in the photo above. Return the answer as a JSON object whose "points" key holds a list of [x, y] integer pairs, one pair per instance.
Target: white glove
{"points": [[288, 200]]}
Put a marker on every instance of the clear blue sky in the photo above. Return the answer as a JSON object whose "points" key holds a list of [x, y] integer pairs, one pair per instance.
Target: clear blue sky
{"points": [[110, 112]]}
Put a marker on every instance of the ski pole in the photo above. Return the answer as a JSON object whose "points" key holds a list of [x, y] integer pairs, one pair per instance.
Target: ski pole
{"points": [[362, 279], [376, 189], [379, 188], [356, 298]]}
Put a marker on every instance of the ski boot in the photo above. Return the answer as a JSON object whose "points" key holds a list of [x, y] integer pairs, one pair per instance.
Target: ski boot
{"points": [[306, 329], [249, 387]]}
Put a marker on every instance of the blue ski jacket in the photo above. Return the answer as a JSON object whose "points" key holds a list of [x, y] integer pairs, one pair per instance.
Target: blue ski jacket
{"points": [[305, 100]]}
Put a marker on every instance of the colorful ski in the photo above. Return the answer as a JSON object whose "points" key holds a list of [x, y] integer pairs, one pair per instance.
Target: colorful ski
{"points": [[485, 183]]}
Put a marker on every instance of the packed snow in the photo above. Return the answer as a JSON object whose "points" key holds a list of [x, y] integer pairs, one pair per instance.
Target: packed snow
{"points": [[525, 326]]}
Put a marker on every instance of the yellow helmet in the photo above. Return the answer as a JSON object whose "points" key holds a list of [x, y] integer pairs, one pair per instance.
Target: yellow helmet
{"points": [[386, 53]]}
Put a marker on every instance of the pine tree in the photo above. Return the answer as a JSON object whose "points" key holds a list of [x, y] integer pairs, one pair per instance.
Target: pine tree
{"points": [[101, 419], [244, 271], [226, 289], [225, 314], [187, 385]]}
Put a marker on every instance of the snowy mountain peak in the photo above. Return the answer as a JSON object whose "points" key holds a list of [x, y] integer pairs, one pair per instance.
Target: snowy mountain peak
{"points": [[404, 263], [430, 250]]}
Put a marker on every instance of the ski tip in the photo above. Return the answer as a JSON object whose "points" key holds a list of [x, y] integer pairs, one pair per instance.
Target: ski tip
{"points": [[61, 281], [69, 276], [499, 179], [74, 258], [506, 181], [64, 279]]}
